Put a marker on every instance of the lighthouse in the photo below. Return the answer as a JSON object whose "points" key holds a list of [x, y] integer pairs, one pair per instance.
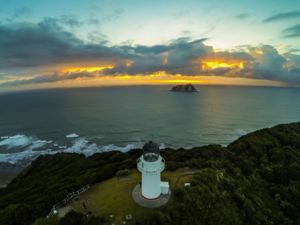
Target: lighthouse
{"points": [[151, 164]]}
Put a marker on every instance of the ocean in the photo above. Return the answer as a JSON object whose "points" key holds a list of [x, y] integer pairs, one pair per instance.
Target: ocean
{"points": [[90, 120]]}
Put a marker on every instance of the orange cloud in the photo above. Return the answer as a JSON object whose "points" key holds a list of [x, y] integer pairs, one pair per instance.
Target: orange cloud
{"points": [[86, 69], [221, 63]]}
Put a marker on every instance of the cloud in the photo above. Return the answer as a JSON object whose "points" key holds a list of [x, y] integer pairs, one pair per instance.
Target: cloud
{"points": [[180, 14], [293, 50], [282, 16], [46, 43], [177, 57], [48, 78], [292, 32], [268, 64], [70, 20], [38, 47], [106, 18], [293, 62], [18, 12], [242, 16]]}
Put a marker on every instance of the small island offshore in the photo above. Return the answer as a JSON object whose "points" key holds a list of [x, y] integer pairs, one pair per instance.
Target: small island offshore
{"points": [[184, 88], [254, 180]]}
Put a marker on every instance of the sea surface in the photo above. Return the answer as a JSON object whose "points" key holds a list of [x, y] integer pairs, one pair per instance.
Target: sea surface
{"points": [[90, 120]]}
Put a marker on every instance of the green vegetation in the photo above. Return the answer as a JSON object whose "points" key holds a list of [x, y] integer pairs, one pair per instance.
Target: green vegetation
{"points": [[255, 180], [123, 173], [113, 196]]}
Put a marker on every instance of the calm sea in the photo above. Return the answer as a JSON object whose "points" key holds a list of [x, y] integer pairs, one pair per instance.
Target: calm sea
{"points": [[89, 120]]}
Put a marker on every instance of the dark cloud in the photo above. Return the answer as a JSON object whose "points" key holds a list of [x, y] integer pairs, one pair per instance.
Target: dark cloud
{"points": [[282, 16], [292, 32], [269, 64], [47, 44], [48, 78], [177, 57]]}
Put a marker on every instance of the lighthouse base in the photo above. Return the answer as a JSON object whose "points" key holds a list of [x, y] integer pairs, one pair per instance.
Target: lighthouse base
{"points": [[149, 203]]}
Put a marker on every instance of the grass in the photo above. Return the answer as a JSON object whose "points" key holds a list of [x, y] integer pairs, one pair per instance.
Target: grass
{"points": [[113, 196]]}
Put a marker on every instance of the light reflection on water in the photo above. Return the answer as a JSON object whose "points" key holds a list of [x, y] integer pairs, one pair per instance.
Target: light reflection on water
{"points": [[122, 115]]}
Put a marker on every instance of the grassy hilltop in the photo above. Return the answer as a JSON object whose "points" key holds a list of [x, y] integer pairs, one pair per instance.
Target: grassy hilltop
{"points": [[255, 180], [105, 198]]}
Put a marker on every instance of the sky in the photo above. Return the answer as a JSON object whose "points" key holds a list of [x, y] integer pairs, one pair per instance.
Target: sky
{"points": [[66, 43]]}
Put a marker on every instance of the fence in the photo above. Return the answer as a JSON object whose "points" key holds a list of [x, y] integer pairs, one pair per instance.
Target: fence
{"points": [[67, 199]]}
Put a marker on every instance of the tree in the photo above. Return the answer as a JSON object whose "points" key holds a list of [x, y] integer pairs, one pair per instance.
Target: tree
{"points": [[46, 221]]}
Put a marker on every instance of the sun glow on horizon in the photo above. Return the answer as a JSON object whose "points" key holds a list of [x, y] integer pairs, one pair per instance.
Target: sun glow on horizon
{"points": [[163, 78], [158, 78]]}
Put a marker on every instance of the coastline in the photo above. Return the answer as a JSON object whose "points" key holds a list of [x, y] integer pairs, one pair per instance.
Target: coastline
{"points": [[10, 171]]}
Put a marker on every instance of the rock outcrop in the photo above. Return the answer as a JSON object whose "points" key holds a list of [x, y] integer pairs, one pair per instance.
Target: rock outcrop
{"points": [[184, 88]]}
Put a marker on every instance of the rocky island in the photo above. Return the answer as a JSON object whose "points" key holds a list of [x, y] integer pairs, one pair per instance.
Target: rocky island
{"points": [[184, 88]]}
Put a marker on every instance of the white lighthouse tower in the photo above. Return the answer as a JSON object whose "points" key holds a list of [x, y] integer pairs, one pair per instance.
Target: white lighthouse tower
{"points": [[151, 164]]}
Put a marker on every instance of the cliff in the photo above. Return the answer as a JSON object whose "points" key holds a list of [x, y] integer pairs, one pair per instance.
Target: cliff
{"points": [[255, 180]]}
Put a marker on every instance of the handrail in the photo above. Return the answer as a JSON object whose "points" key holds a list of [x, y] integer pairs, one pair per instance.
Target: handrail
{"points": [[68, 198]]}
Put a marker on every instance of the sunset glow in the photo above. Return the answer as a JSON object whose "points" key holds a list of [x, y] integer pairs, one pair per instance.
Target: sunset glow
{"points": [[162, 78], [86, 69], [181, 43], [206, 65]]}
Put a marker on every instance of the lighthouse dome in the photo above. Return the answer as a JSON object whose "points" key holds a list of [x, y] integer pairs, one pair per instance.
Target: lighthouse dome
{"points": [[150, 151]]}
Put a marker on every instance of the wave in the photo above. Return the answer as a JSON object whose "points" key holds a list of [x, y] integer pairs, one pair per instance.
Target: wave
{"points": [[22, 149], [239, 133], [16, 141], [72, 135]]}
